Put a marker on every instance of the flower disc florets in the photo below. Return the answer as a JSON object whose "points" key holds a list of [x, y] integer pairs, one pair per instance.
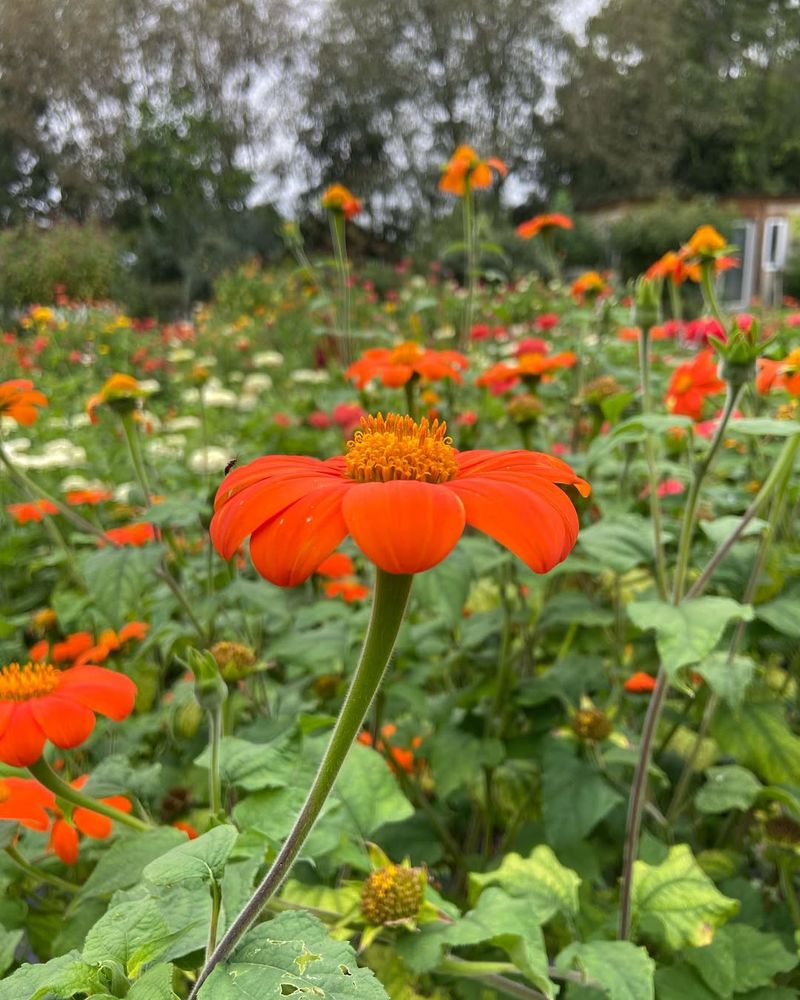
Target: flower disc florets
{"points": [[26, 681], [591, 724], [396, 447], [392, 893]]}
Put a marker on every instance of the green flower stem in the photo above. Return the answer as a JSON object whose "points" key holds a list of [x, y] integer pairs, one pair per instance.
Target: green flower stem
{"points": [[38, 874], [687, 527], [786, 877], [709, 295], [636, 802], [388, 610], [69, 556], [204, 436], [675, 300], [782, 480], [410, 389], [36, 492], [163, 573], [216, 905], [135, 452], [652, 472], [779, 474], [487, 973], [46, 776], [214, 778], [471, 265], [339, 240]]}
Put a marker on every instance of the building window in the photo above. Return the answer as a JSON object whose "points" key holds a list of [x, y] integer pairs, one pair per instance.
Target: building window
{"points": [[736, 285], [773, 252]]}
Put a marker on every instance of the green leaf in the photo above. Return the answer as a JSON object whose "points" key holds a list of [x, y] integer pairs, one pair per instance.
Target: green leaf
{"points": [[202, 858], [729, 679], [575, 795], [762, 426], [291, 954], [781, 613], [719, 529], [624, 971], [727, 787], [457, 758], [132, 934], [155, 984], [8, 946], [619, 543], [680, 982], [572, 606], [122, 865], [740, 958], [60, 977], [635, 429], [120, 580], [540, 878], [253, 766], [680, 897], [760, 738], [687, 633]]}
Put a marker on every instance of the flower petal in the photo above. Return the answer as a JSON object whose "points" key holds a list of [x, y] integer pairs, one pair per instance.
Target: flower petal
{"points": [[92, 824], [23, 741], [64, 721], [404, 526], [536, 522], [64, 841], [99, 689], [519, 465], [287, 549]]}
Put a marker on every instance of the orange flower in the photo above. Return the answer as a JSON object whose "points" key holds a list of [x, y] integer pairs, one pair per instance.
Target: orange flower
{"points": [[186, 828], [72, 647], [337, 565], [789, 377], [132, 534], [529, 366], [38, 702], [18, 400], [590, 285], [543, 224], [466, 171], [348, 588], [64, 840], [398, 757], [398, 365], [705, 242], [120, 391], [110, 641], [769, 375], [337, 198], [673, 266], [404, 494], [640, 683], [23, 800], [33, 511], [691, 382], [76, 497]]}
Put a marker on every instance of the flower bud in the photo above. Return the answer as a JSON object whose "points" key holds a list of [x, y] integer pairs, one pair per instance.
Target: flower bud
{"points": [[234, 659], [210, 689], [392, 894], [647, 303], [591, 725]]}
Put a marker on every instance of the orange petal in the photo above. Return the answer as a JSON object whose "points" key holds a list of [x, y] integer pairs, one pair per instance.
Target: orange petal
{"points": [[287, 549], [404, 526], [23, 741], [521, 465], [64, 841], [538, 524], [64, 721], [92, 824], [99, 689]]}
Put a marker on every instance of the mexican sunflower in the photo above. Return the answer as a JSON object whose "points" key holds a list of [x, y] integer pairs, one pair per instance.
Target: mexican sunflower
{"points": [[64, 840], [466, 171], [23, 800], [18, 400], [590, 285], [404, 494], [33, 510], [337, 198], [39, 702], [691, 382], [543, 224], [120, 392], [131, 534], [780, 374], [530, 367], [398, 365]]}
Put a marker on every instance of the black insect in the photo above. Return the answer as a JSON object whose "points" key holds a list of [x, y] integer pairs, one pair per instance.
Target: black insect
{"points": [[230, 465]]}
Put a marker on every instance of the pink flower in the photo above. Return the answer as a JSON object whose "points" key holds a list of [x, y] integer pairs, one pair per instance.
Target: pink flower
{"points": [[546, 321], [319, 420], [531, 345], [667, 488]]}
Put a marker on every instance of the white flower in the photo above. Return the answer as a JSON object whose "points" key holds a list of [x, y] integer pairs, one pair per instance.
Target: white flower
{"points": [[210, 459], [248, 403], [255, 383], [81, 483], [187, 423], [267, 359], [58, 423], [444, 333], [79, 420], [179, 354], [207, 361], [58, 454], [149, 386], [168, 446], [13, 445], [122, 493], [150, 420], [219, 397], [309, 376]]}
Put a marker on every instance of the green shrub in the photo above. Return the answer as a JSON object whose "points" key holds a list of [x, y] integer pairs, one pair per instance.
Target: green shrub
{"points": [[644, 234], [34, 262]]}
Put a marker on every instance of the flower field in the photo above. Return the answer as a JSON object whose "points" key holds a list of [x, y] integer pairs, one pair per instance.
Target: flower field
{"points": [[435, 639]]}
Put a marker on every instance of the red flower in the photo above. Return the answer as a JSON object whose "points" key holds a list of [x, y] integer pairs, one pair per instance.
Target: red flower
{"points": [[349, 589], [404, 494], [72, 647], [33, 511], [546, 321], [64, 839], [24, 801], [76, 497], [38, 702], [337, 198], [691, 382], [543, 224], [132, 534], [336, 565], [18, 400], [398, 365], [640, 683]]}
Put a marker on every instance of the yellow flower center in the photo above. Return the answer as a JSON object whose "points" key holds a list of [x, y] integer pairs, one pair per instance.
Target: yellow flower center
{"points": [[397, 447], [683, 383], [31, 680], [406, 353]]}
